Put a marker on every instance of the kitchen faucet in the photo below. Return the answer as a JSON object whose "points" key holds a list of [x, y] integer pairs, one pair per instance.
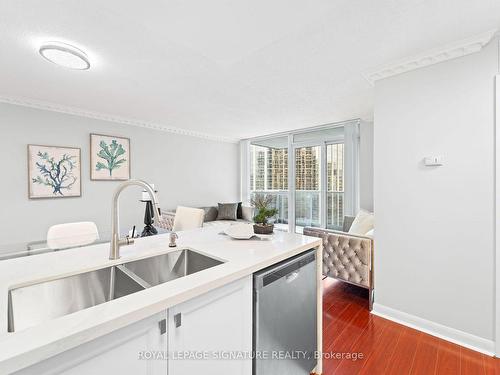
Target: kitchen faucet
{"points": [[116, 242]]}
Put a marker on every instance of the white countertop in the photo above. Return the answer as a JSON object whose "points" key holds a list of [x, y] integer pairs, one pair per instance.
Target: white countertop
{"points": [[242, 258]]}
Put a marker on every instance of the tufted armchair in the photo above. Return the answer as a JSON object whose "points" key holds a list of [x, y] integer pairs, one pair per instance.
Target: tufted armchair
{"points": [[346, 256], [167, 220]]}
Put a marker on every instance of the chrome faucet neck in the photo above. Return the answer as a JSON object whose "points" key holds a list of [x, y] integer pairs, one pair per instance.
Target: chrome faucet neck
{"points": [[116, 242]]}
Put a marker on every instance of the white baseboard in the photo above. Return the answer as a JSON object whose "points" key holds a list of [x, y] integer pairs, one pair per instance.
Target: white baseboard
{"points": [[453, 335]]}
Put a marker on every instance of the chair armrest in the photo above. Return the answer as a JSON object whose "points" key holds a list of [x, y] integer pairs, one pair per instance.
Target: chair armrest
{"points": [[310, 231]]}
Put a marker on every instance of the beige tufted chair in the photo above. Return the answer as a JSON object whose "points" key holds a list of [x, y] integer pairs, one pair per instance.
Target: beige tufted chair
{"points": [[167, 220], [346, 256]]}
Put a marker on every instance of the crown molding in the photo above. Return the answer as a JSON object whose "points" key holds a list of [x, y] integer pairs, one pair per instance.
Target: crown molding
{"points": [[434, 56], [47, 106]]}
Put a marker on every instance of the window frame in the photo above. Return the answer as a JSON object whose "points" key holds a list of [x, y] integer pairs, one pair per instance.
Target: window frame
{"points": [[350, 199]]}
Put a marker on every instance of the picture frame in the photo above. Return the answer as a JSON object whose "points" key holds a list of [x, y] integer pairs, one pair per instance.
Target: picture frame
{"points": [[109, 157], [54, 172]]}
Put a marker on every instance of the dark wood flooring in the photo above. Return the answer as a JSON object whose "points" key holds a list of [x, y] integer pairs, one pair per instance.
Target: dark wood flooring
{"points": [[386, 347]]}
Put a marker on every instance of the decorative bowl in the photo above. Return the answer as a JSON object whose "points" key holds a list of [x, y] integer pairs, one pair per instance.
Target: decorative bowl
{"points": [[240, 231]]}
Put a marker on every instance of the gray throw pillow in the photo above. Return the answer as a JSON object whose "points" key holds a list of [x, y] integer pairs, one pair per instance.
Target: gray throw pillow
{"points": [[210, 213], [227, 211]]}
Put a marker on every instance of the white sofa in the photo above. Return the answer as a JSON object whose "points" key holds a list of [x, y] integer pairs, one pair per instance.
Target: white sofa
{"points": [[210, 219]]}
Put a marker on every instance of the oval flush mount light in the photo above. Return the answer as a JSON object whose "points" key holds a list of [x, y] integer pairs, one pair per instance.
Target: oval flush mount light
{"points": [[65, 55]]}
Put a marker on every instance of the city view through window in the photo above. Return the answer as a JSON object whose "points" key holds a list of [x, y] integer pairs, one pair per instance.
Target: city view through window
{"points": [[269, 175]]}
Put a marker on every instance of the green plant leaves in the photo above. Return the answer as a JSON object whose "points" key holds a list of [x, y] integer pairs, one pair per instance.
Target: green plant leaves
{"points": [[111, 154], [262, 203], [99, 166]]}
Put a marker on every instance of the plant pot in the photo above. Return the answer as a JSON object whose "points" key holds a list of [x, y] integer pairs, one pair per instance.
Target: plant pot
{"points": [[263, 228]]}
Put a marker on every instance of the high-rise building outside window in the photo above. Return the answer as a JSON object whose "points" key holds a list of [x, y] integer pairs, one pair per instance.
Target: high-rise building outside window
{"points": [[319, 174]]}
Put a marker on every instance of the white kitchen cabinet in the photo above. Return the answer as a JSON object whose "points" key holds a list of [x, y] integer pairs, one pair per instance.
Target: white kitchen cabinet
{"points": [[216, 323], [116, 353]]}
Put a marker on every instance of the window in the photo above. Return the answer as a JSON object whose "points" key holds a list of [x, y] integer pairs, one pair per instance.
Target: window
{"points": [[307, 186], [335, 186], [269, 173], [321, 180]]}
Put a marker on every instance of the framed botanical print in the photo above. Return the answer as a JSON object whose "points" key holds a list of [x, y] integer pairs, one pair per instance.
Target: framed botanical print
{"points": [[54, 172], [109, 158]]}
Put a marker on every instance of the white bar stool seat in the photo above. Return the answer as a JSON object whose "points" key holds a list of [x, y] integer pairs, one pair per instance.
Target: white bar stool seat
{"points": [[66, 235], [187, 218]]}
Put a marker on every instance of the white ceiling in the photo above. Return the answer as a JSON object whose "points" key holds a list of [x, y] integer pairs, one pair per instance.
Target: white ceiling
{"points": [[232, 68]]}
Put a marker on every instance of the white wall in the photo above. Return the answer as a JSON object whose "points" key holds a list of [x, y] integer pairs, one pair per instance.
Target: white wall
{"points": [[434, 226], [366, 166], [185, 170]]}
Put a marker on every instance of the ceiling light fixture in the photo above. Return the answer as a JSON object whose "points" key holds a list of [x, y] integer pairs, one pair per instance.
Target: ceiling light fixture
{"points": [[65, 55]]}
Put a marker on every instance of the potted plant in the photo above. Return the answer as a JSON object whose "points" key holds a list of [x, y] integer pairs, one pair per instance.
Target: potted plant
{"points": [[262, 204]]}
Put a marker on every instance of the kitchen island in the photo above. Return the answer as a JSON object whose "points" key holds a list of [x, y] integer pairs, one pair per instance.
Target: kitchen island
{"points": [[141, 317]]}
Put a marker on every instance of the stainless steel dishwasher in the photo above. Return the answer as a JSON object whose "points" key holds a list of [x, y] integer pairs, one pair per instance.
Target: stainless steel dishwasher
{"points": [[284, 328]]}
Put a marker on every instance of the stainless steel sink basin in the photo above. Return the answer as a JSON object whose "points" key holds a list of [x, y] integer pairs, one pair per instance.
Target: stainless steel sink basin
{"points": [[38, 302], [162, 268], [33, 304]]}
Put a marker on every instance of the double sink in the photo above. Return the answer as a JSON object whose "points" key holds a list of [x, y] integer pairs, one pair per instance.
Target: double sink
{"points": [[37, 303]]}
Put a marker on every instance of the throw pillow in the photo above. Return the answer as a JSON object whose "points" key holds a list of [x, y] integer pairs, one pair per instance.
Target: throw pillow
{"points": [[210, 213], [363, 222], [227, 211]]}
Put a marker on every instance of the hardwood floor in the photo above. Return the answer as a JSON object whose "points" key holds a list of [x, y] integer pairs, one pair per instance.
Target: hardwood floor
{"points": [[385, 347]]}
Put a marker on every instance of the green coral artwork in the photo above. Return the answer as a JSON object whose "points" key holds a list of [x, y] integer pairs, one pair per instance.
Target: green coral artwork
{"points": [[112, 155]]}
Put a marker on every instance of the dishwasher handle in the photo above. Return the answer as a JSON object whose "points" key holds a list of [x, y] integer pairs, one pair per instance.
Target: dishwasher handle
{"points": [[289, 270], [292, 276]]}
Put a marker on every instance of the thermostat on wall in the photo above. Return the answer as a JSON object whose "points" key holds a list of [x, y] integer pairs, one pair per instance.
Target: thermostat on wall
{"points": [[433, 161]]}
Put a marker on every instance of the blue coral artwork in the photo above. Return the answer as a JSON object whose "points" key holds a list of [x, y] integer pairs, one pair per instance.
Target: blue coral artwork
{"points": [[109, 157], [54, 172]]}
